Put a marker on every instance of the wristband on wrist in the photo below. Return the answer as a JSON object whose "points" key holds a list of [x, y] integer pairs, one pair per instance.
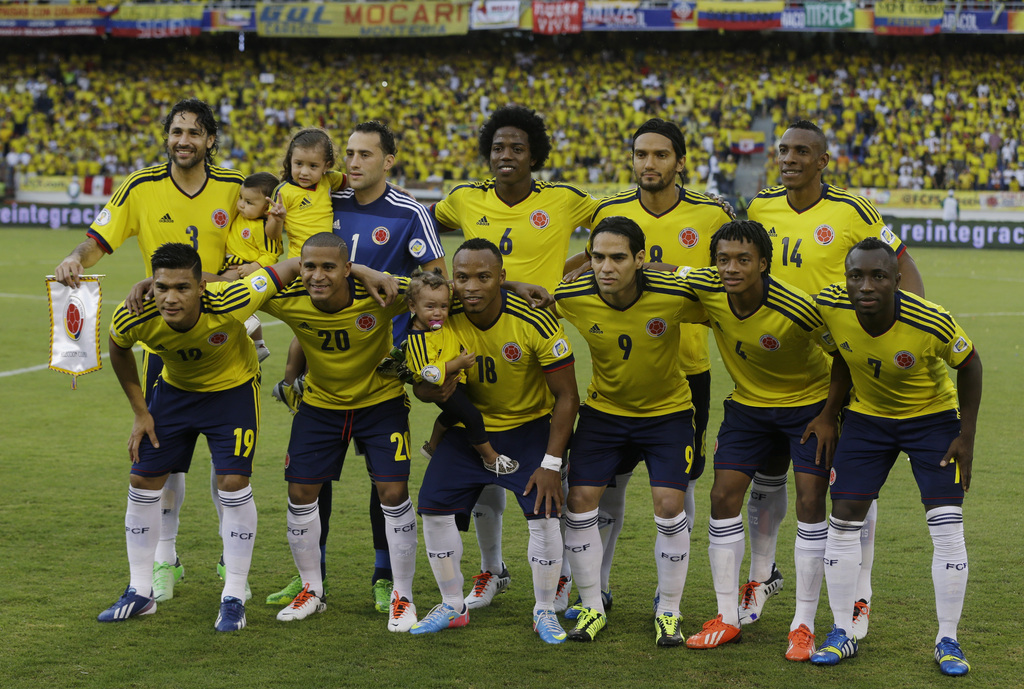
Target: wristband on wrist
{"points": [[551, 463]]}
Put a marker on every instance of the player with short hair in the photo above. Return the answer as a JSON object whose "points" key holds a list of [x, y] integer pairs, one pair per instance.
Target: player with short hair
{"points": [[895, 347], [812, 226], [771, 339], [187, 199], [638, 407], [209, 385], [524, 385], [345, 333], [531, 222]]}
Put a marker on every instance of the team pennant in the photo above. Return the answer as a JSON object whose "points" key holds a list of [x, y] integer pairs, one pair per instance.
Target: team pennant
{"points": [[75, 326]]}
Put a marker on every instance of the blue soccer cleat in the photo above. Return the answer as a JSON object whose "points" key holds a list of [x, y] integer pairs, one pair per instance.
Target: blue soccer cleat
{"points": [[837, 646], [442, 617], [950, 658], [130, 604], [232, 615], [546, 624]]}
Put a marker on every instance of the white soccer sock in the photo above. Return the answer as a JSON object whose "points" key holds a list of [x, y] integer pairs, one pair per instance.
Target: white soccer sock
{"points": [[726, 543], [215, 494], [400, 523], [304, 540], [142, 532], [690, 504], [584, 550], [671, 552], [170, 506], [611, 513], [842, 567], [545, 553], [487, 521], [867, 552], [807, 556], [566, 567], [444, 552], [238, 533], [766, 508], [949, 566]]}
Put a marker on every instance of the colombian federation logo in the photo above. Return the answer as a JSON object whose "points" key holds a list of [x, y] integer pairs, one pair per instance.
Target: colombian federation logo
{"points": [[74, 318], [220, 218], [246, 233], [769, 342], [832, 476], [417, 247], [904, 359], [886, 234], [381, 235], [259, 283], [715, 451], [823, 234], [217, 339], [287, 460], [960, 345], [656, 327], [366, 321], [561, 348], [689, 237], [540, 219], [431, 374], [103, 218], [511, 352]]}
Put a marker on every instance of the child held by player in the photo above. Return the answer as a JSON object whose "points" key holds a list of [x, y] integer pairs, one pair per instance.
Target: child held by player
{"points": [[433, 354]]}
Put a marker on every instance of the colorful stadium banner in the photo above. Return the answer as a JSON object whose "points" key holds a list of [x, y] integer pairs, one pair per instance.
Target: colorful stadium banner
{"points": [[1016, 22], [233, 20], [975, 22], [958, 234], [932, 199], [54, 216], [557, 17], [51, 20], [739, 15], [745, 142], [908, 17], [631, 16], [494, 14], [157, 21], [363, 19]]}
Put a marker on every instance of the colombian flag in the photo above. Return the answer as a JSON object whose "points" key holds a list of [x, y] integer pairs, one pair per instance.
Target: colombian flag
{"points": [[739, 15], [745, 142]]}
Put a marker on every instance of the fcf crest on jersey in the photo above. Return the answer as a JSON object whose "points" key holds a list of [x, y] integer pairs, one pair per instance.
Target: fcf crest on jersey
{"points": [[366, 321], [904, 359], [823, 234], [74, 318], [246, 233], [511, 352], [220, 218], [769, 342], [689, 237], [217, 338], [656, 327], [540, 219], [381, 235]]}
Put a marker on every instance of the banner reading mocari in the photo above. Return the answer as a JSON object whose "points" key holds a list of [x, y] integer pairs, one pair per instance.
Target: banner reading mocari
{"points": [[363, 19]]}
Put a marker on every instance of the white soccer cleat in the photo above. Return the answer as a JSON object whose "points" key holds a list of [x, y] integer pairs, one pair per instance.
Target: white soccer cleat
{"points": [[562, 594], [754, 594], [305, 604], [402, 615], [861, 615], [487, 586]]}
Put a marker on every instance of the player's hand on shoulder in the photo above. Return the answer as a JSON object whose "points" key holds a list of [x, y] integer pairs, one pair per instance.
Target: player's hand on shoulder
{"points": [[535, 295], [140, 294], [720, 200], [381, 286], [574, 275]]}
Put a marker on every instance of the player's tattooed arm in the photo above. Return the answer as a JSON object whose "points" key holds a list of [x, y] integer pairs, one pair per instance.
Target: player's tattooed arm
{"points": [[83, 256]]}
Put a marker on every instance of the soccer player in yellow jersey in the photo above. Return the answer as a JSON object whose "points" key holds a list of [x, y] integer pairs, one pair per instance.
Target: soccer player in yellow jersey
{"points": [[771, 339], [812, 226], [345, 333], [531, 222], [637, 408], [895, 347], [209, 385], [524, 385], [188, 199]]}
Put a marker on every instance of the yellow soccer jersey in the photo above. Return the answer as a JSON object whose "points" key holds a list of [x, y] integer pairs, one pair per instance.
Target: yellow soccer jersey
{"points": [[427, 351], [149, 205], [532, 236], [775, 355], [342, 349], [248, 242], [901, 373], [309, 211], [680, 236], [507, 384], [635, 351], [810, 247], [215, 354]]}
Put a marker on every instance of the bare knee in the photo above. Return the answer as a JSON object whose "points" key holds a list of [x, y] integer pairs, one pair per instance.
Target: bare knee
{"points": [[392, 493]]}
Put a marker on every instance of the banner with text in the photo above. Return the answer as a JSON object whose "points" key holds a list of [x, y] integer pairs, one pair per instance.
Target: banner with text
{"points": [[51, 20], [157, 21], [557, 17], [932, 199], [908, 17], [494, 14], [630, 16], [739, 15], [232, 20], [976, 22], [958, 234], [363, 19]]}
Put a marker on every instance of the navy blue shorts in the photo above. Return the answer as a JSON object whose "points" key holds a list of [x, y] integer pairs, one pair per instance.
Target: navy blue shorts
{"points": [[700, 391], [750, 436], [456, 474], [320, 439], [868, 448], [604, 445], [152, 365], [229, 419]]}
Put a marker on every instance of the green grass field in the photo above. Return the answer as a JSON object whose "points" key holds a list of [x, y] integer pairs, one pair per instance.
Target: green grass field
{"points": [[63, 480]]}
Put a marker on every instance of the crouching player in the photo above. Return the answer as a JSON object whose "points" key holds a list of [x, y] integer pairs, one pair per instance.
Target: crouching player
{"points": [[209, 385], [895, 347]]}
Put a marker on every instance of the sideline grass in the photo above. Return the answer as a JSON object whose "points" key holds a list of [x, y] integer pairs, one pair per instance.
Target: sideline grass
{"points": [[63, 469]]}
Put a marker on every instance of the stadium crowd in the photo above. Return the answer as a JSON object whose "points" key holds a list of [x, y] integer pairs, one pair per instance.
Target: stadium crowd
{"points": [[922, 119]]}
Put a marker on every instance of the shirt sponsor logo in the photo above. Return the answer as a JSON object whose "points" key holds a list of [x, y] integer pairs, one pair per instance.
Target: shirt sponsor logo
{"points": [[904, 359], [540, 219], [381, 235], [217, 339], [511, 352], [220, 218], [365, 321], [823, 234], [656, 327], [417, 247], [689, 237]]}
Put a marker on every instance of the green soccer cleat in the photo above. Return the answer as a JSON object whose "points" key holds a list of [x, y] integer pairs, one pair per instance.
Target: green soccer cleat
{"points": [[382, 589], [165, 576], [287, 594], [588, 624]]}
